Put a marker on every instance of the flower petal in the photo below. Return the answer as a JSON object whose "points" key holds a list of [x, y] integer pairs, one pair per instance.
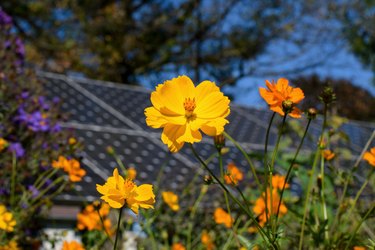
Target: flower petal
{"points": [[213, 106], [204, 89], [155, 119], [170, 134]]}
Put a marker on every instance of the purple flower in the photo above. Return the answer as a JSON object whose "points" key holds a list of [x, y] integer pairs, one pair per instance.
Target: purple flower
{"points": [[20, 48], [35, 121], [34, 191], [25, 95], [16, 147], [5, 19], [43, 103]]}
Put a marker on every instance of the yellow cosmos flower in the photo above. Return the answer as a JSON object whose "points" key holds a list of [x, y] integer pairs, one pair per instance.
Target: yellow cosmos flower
{"points": [[171, 199], [118, 192], [3, 144], [222, 217], [184, 110], [72, 245], [131, 173], [370, 157], [7, 221], [12, 245]]}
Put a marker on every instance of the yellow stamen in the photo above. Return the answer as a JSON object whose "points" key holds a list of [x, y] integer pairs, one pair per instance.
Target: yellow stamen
{"points": [[189, 105]]}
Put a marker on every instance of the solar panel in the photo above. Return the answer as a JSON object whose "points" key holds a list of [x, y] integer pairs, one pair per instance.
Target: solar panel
{"points": [[109, 114]]}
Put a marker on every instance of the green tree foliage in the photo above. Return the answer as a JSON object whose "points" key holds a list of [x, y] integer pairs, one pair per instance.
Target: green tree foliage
{"points": [[352, 102], [127, 40], [359, 28]]}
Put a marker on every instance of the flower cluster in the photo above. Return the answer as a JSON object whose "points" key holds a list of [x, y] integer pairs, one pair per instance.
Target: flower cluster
{"points": [[71, 166], [222, 217], [234, 174], [171, 199], [7, 221], [94, 217]]}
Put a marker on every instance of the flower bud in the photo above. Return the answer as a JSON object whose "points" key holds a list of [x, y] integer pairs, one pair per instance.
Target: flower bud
{"points": [[327, 96], [311, 113], [208, 179], [110, 150], [287, 106], [219, 141]]}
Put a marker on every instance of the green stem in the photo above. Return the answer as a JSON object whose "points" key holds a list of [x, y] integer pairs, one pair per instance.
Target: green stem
{"points": [[263, 233], [192, 214], [225, 194], [359, 226], [360, 157], [13, 179], [44, 180], [360, 192], [118, 229], [306, 205], [317, 154], [322, 197], [265, 162], [105, 229], [270, 174], [252, 167], [291, 167]]}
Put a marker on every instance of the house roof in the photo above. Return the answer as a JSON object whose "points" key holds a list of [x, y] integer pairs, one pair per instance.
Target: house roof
{"points": [[110, 114]]}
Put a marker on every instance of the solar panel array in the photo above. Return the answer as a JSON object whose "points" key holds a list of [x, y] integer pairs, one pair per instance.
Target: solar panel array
{"points": [[108, 114]]}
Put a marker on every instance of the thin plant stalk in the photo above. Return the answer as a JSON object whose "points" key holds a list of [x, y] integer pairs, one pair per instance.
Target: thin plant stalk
{"points": [[359, 226], [263, 233], [360, 157], [118, 229], [317, 154], [360, 192], [265, 163], [270, 174], [192, 214], [105, 230], [13, 179], [225, 194], [291, 167], [322, 197], [252, 167]]}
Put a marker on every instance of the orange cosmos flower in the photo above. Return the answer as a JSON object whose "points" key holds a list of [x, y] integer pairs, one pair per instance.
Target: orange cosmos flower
{"points": [[72, 245], [71, 166], [359, 248], [118, 192], [183, 111], [328, 154], [278, 182], [260, 206], [89, 218], [206, 240], [171, 199], [370, 157], [222, 217], [278, 93], [7, 222], [233, 174], [178, 246]]}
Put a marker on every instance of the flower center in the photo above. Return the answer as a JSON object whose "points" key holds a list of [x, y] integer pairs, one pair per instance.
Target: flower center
{"points": [[189, 106], [128, 188]]}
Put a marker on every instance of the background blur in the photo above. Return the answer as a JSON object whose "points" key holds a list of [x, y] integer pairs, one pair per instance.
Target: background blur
{"points": [[236, 43]]}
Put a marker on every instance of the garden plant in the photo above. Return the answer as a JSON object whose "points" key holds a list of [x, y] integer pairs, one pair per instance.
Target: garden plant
{"points": [[223, 207]]}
